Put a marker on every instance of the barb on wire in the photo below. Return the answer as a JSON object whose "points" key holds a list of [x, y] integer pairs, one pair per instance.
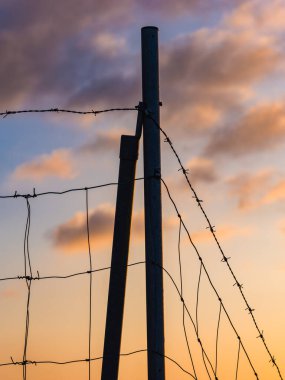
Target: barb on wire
{"points": [[4, 114], [213, 232]]}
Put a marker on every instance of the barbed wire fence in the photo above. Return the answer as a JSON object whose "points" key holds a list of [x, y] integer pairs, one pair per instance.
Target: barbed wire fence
{"points": [[210, 364]]}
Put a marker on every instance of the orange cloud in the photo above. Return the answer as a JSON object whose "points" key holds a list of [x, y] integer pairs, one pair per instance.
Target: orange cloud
{"points": [[225, 232], [249, 188], [71, 236], [57, 164], [261, 128], [276, 193]]}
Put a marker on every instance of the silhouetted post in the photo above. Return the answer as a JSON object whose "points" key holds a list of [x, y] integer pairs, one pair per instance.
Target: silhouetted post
{"points": [[120, 252], [152, 194]]}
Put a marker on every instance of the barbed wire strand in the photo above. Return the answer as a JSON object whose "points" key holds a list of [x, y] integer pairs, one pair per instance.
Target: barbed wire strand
{"points": [[208, 275], [35, 195], [53, 362], [61, 110], [90, 283], [210, 226], [183, 307], [38, 277], [217, 339], [238, 357]]}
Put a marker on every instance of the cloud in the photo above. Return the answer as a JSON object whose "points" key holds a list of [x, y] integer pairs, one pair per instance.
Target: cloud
{"points": [[71, 236], [56, 164], [261, 128], [275, 193], [258, 15], [48, 49], [78, 53], [214, 70], [104, 141], [225, 232], [201, 170], [249, 188]]}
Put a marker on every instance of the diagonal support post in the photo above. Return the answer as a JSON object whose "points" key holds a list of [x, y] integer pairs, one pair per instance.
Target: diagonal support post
{"points": [[120, 252]]}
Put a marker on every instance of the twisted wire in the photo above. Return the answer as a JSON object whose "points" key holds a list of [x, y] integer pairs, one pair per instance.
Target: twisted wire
{"points": [[90, 284], [28, 269]]}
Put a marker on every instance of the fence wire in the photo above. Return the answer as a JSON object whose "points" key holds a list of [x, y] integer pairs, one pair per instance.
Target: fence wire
{"points": [[29, 277]]}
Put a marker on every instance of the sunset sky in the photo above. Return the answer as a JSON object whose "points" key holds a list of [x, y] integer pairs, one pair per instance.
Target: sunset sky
{"points": [[222, 84]]}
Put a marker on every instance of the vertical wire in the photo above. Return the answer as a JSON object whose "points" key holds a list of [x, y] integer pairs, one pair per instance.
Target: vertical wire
{"points": [[181, 292], [197, 323], [90, 285], [238, 357], [28, 277], [217, 339], [197, 296]]}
